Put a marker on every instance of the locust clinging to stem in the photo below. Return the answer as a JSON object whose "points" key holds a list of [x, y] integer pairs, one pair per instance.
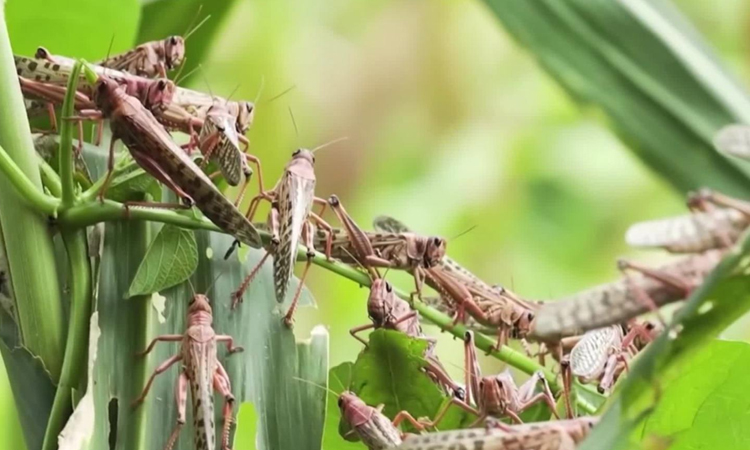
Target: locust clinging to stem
{"points": [[154, 150], [289, 220]]}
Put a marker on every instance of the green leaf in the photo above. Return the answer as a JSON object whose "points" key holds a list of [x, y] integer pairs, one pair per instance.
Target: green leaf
{"points": [[80, 29], [31, 381], [390, 372], [247, 419], [699, 397], [660, 87], [171, 258], [173, 17], [723, 297]]}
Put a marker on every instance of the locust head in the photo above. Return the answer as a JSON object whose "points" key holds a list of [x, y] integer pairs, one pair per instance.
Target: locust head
{"points": [[245, 116], [159, 93], [355, 411], [302, 164], [380, 301], [105, 93], [199, 304], [496, 392], [435, 251], [579, 428], [174, 51]]}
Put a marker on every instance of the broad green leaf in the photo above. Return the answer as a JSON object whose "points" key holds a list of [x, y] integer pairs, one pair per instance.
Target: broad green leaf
{"points": [[661, 89], [247, 419], [80, 29], [705, 401], [390, 372], [171, 258], [174, 17], [724, 297]]}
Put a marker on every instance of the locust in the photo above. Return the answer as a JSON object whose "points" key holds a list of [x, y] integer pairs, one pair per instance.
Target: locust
{"points": [[411, 252], [150, 59], [202, 372], [153, 150], [601, 355], [621, 300], [554, 435], [717, 221], [375, 430], [289, 220], [387, 310], [491, 306], [734, 140], [216, 120]]}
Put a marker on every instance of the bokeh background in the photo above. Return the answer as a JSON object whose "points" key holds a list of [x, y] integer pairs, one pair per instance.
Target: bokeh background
{"points": [[451, 126]]}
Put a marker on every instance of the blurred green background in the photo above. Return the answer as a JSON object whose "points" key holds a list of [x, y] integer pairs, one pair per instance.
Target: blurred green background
{"points": [[451, 125]]}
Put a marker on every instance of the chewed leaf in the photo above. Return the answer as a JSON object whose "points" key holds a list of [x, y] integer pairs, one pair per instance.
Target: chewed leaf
{"points": [[170, 260]]}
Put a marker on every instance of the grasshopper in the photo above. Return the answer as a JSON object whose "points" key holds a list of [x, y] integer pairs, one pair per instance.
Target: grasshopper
{"points": [[150, 59], [289, 220], [369, 423], [411, 252], [202, 371], [388, 311], [602, 354], [498, 395], [717, 222], [153, 149], [555, 435], [491, 306], [621, 300]]}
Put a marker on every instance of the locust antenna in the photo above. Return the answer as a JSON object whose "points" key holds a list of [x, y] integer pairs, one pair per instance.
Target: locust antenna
{"points": [[329, 143], [369, 270], [294, 122], [205, 80], [284, 92], [179, 71], [192, 288], [329, 390], [466, 231], [260, 89], [192, 71], [216, 278], [192, 30]]}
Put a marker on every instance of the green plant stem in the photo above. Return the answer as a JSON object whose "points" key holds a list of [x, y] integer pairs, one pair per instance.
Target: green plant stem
{"points": [[25, 188], [28, 243], [85, 215], [74, 365], [66, 138], [49, 178]]}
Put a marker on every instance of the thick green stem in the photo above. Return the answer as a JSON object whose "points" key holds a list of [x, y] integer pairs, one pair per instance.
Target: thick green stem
{"points": [[74, 365], [24, 189], [29, 246], [66, 138]]}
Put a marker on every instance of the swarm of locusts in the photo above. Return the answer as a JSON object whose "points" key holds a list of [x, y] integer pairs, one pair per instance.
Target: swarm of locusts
{"points": [[593, 335]]}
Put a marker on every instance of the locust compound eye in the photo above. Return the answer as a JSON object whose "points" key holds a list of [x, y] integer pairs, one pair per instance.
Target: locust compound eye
{"points": [[341, 402], [530, 316], [173, 40], [220, 128], [296, 152], [161, 85], [591, 424], [388, 287], [438, 241], [313, 159]]}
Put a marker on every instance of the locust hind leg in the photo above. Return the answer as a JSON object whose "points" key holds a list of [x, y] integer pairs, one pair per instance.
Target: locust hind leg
{"points": [[529, 398], [668, 279], [224, 387], [308, 235], [181, 398]]}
